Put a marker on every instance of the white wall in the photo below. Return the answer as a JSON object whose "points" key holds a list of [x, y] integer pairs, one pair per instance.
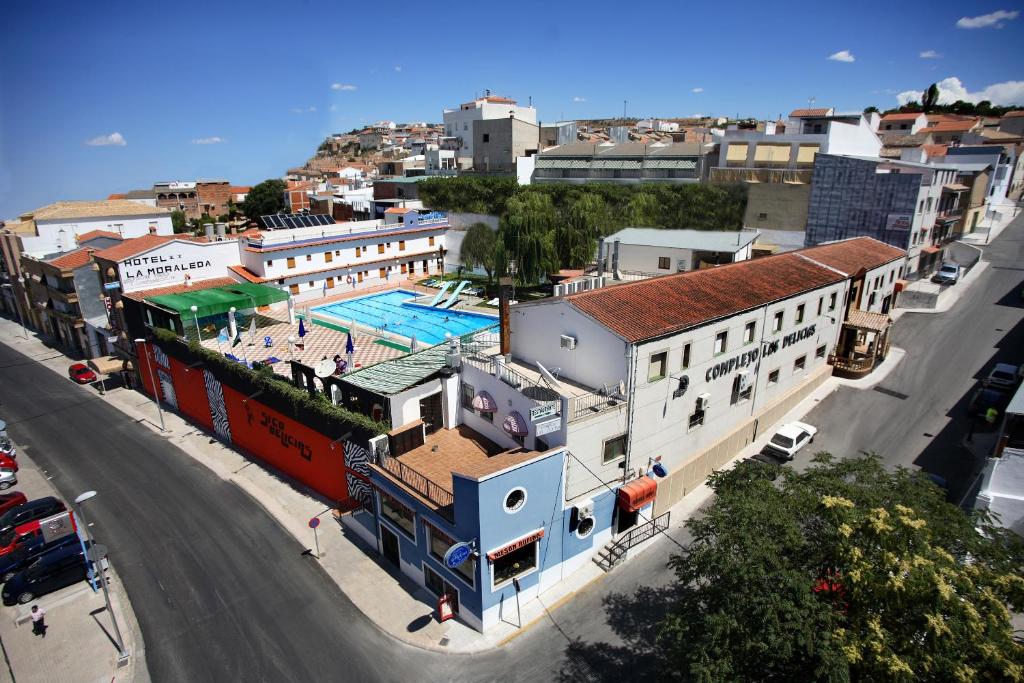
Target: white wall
{"points": [[169, 263], [48, 241], [459, 122], [886, 277], [405, 406], [847, 138]]}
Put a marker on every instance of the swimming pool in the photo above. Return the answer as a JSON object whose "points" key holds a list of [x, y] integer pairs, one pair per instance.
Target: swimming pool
{"points": [[389, 311]]}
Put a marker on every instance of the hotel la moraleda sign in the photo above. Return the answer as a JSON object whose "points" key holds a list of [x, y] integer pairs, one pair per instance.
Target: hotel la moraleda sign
{"points": [[176, 261], [747, 358]]}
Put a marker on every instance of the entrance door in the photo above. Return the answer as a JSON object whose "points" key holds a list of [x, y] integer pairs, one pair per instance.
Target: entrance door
{"points": [[389, 545], [627, 520], [430, 413], [886, 303]]}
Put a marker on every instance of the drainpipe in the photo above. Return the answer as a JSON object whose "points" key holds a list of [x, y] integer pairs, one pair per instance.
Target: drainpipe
{"points": [[631, 408]]}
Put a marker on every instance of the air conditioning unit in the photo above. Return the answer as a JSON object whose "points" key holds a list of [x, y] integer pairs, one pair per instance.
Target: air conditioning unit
{"points": [[567, 342], [745, 378], [582, 518], [684, 384], [703, 401], [585, 509]]}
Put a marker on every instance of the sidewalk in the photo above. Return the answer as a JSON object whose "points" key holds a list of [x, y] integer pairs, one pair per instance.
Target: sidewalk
{"points": [[79, 645], [945, 296], [394, 603]]}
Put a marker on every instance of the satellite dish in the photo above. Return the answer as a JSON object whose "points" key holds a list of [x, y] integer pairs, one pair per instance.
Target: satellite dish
{"points": [[549, 379], [325, 368]]}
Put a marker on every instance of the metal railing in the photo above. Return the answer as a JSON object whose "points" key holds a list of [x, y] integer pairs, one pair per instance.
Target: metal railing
{"points": [[417, 482], [635, 537], [592, 404]]}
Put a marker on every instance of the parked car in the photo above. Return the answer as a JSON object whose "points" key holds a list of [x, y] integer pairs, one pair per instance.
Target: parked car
{"points": [[8, 478], [22, 557], [7, 462], [7, 447], [789, 439], [948, 274], [985, 398], [10, 500], [36, 533], [1003, 376], [81, 374], [30, 511], [50, 572]]}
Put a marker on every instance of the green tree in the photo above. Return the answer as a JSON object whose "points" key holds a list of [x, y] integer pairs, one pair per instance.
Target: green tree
{"points": [[643, 210], [845, 571], [871, 109], [478, 248], [527, 229], [264, 199], [930, 97], [178, 221], [577, 234]]}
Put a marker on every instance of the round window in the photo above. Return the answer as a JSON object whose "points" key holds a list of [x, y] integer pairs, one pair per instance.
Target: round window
{"points": [[515, 500], [585, 527]]}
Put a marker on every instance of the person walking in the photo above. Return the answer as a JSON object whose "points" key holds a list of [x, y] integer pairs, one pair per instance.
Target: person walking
{"points": [[38, 621]]}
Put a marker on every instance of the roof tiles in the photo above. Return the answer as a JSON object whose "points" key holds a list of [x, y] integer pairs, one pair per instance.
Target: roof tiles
{"points": [[134, 246], [851, 255]]}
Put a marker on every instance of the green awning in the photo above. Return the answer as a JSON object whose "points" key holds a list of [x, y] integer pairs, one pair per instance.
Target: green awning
{"points": [[217, 300]]}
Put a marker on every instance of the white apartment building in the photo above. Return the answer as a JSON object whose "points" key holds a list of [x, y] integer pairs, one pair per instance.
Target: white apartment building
{"points": [[459, 122], [657, 251], [54, 228], [309, 262]]}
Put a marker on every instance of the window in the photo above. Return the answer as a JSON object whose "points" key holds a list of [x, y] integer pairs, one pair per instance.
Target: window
{"points": [[762, 216], [515, 564], [329, 283], [312, 284], [515, 500], [401, 245], [291, 261], [799, 314], [686, 357], [657, 368], [430, 241], [614, 449], [664, 263], [402, 516], [777, 322], [487, 137], [748, 332], [832, 301], [383, 273], [773, 377], [697, 417], [920, 206], [439, 544], [359, 252], [328, 257], [892, 274], [380, 248], [799, 364], [309, 257], [269, 263], [438, 586], [821, 304], [820, 352], [294, 289], [741, 388], [721, 342]]}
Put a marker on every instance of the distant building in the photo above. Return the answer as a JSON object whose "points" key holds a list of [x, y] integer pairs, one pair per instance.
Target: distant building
{"points": [[54, 228], [558, 133], [627, 163], [459, 122], [178, 196], [214, 197], [899, 124], [648, 252], [1012, 122], [497, 143]]}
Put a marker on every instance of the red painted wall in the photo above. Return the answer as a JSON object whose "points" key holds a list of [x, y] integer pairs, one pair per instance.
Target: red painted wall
{"points": [[144, 352], [293, 448], [190, 389]]}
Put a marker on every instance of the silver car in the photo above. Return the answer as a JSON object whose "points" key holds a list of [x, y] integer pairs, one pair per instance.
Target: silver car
{"points": [[8, 478], [948, 274]]}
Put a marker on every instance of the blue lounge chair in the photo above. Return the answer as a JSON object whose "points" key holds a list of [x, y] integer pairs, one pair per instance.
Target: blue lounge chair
{"points": [[267, 342]]}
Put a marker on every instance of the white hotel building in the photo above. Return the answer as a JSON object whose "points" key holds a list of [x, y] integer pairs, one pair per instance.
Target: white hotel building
{"points": [[309, 262]]}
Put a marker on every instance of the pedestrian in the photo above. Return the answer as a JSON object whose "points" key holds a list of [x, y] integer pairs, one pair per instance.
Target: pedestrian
{"points": [[991, 415], [38, 621]]}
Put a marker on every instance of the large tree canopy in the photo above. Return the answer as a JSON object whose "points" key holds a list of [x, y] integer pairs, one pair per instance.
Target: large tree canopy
{"points": [[478, 247], [844, 572], [264, 199]]}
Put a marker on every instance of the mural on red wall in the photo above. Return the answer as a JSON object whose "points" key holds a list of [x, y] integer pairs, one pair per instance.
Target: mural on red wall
{"points": [[190, 390]]}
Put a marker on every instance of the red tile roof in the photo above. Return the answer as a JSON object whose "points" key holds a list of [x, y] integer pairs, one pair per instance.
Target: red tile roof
{"points": [[851, 255], [131, 247], [396, 209], [664, 305], [118, 195], [909, 116], [796, 113], [239, 189], [181, 287], [1013, 114], [284, 246], [248, 274], [72, 259], [935, 150], [93, 234], [950, 126]]}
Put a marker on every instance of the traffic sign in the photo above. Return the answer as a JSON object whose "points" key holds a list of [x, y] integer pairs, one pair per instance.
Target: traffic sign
{"points": [[314, 523]]}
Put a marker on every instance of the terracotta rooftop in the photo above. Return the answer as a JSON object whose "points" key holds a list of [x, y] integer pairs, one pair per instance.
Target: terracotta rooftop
{"points": [[851, 255], [118, 195], [905, 116], [94, 209], [72, 259], [396, 209], [94, 234], [935, 150], [1013, 114], [663, 305], [133, 246], [239, 189], [181, 287], [797, 113], [950, 126]]}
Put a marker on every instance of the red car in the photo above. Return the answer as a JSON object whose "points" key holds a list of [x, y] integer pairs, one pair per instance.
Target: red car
{"points": [[7, 462], [10, 500], [81, 374]]}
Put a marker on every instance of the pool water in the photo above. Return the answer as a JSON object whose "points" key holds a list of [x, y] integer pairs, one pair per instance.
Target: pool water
{"points": [[389, 312]]}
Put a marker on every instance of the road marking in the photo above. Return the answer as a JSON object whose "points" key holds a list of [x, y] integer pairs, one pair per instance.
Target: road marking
{"points": [[890, 392]]}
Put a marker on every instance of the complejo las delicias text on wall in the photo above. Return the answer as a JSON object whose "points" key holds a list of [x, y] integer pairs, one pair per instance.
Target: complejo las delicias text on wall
{"points": [[767, 348]]}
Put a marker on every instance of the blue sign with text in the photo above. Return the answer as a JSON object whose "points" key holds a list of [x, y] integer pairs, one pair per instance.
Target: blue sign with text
{"points": [[457, 554]]}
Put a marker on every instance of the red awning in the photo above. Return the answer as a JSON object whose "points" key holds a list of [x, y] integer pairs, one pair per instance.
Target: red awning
{"points": [[900, 285], [484, 402], [515, 424], [637, 493], [930, 249]]}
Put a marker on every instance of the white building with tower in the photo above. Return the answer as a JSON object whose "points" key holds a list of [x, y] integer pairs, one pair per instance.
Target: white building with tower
{"points": [[459, 122]]}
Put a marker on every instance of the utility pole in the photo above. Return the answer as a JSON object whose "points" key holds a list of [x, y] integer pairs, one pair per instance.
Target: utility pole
{"points": [[624, 102]]}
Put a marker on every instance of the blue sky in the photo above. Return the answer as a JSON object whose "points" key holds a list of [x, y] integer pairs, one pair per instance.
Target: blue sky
{"points": [[254, 81]]}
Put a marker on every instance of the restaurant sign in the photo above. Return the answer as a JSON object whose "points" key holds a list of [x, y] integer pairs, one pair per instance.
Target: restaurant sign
{"points": [[515, 545], [899, 221], [279, 430], [540, 412], [547, 426]]}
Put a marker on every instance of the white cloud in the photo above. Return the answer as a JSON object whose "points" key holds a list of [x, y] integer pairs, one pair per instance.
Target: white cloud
{"points": [[985, 20], [333, 107], [342, 86], [300, 110], [697, 90], [212, 140], [579, 99], [841, 56], [398, 68], [929, 54], [112, 140], [951, 90]]}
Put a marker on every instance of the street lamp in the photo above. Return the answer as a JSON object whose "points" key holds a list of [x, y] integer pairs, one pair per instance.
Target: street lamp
{"points": [[512, 268], [97, 567], [156, 394], [195, 316]]}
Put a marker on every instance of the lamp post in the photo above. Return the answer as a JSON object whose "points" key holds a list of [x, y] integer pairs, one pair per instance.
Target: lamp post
{"points": [[156, 391], [512, 269], [97, 566], [195, 316]]}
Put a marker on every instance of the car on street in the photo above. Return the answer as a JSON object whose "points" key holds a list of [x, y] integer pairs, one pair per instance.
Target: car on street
{"points": [[8, 478], [30, 511], [36, 533], [23, 556], [1003, 376], [81, 374], [7, 462], [7, 447], [789, 439], [50, 572], [948, 274], [10, 500], [985, 398]]}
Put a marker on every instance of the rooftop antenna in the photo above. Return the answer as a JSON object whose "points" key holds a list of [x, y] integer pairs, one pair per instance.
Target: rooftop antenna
{"points": [[810, 101], [624, 109]]}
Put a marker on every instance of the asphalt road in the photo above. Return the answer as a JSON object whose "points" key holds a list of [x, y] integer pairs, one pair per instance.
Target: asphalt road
{"points": [[222, 592]]}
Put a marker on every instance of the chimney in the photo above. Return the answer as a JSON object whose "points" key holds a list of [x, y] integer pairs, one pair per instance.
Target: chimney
{"points": [[152, 230], [221, 231], [208, 227], [504, 300]]}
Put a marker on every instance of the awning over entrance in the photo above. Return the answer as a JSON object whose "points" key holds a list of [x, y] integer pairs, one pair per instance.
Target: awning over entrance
{"points": [[637, 493], [931, 249], [901, 285], [106, 365], [955, 187], [484, 402], [218, 300], [872, 322], [515, 424]]}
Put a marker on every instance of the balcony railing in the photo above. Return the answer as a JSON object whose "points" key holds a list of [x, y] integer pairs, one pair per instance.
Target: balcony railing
{"points": [[587, 405], [440, 497]]}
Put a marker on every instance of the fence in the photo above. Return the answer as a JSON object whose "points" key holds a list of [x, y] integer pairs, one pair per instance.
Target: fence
{"points": [[591, 404], [635, 537], [440, 497]]}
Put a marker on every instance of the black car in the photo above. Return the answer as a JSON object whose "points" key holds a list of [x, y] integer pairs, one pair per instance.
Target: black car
{"points": [[50, 572], [20, 558], [40, 508]]}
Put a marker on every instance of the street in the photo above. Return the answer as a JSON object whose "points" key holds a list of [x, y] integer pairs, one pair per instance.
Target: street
{"points": [[222, 592]]}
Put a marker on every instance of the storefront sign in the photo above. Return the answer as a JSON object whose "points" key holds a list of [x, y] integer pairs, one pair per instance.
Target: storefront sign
{"points": [[175, 261], [899, 221], [799, 335], [548, 426], [516, 545], [725, 367], [457, 555], [541, 412], [279, 431]]}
